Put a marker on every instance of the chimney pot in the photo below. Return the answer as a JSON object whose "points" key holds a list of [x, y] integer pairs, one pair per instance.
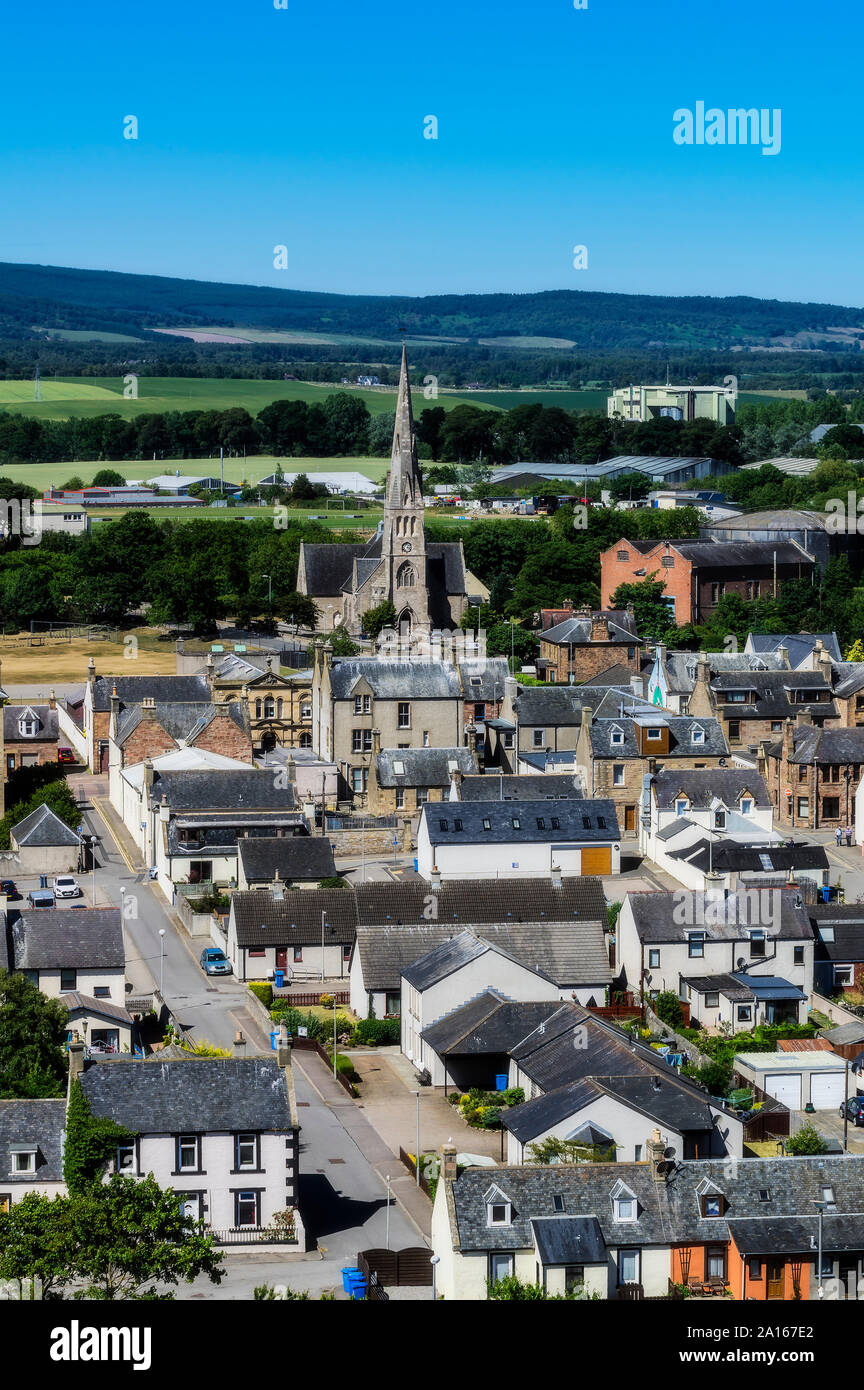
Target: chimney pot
{"points": [[283, 1046], [448, 1162], [76, 1059]]}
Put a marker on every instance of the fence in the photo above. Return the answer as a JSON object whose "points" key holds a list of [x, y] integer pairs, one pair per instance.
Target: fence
{"points": [[411, 1165], [312, 1045], [409, 1268], [252, 1235], [306, 1001]]}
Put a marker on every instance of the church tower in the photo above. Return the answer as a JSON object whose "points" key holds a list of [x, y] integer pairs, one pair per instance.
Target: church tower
{"points": [[403, 543]]}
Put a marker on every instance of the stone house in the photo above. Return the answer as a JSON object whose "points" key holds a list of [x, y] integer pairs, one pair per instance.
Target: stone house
{"points": [[30, 734], [280, 706], [151, 729], [44, 844], [404, 779], [813, 775], [588, 643], [96, 708]]}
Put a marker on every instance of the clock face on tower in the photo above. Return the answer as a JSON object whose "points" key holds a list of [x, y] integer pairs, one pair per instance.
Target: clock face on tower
{"points": [[406, 546]]}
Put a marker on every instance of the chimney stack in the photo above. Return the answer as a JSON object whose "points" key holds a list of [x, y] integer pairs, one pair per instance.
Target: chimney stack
{"points": [[283, 1046], [52, 700], [239, 1044], [783, 653], [656, 1156], [556, 875], [76, 1059], [91, 672], [448, 1161], [435, 879]]}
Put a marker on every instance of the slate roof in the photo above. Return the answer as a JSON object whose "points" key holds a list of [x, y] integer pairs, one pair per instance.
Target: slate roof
{"points": [[47, 719], [39, 1122], [702, 786], [422, 767], [329, 567], [68, 938], [741, 555], [550, 1059], [667, 1212], [680, 667], [576, 631], [221, 789], [182, 722], [395, 680], [659, 1097], [680, 737], [617, 676], [484, 680], [848, 678], [798, 1235], [163, 689], [553, 706], [771, 691], [529, 822], [199, 1095], [445, 959], [725, 856], [563, 1240], [292, 856], [260, 919], [839, 931], [490, 1023], [74, 1000], [825, 746], [43, 828], [799, 645], [654, 920], [522, 787]]}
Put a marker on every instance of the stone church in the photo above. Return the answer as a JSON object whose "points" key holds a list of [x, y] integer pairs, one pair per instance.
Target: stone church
{"points": [[425, 582]]}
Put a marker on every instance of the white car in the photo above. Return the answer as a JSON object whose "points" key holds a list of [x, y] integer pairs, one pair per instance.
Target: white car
{"points": [[66, 887]]}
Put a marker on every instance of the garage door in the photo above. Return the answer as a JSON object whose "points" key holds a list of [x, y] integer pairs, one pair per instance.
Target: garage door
{"points": [[785, 1088], [826, 1089], [597, 861]]}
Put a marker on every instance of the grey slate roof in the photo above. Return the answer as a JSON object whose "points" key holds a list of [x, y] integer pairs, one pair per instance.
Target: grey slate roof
{"points": [[667, 1212], [680, 737], [163, 689], [550, 705], [43, 828], [654, 919], [199, 1095], [771, 694], [576, 631], [563, 1240], [490, 1023], [826, 746], [221, 789], [796, 1235], [74, 1000], [47, 719], [522, 787], [292, 856], [702, 786], [839, 931], [423, 767], [728, 855], [184, 723], [39, 1122], [799, 645], [295, 918], [680, 667], [484, 680], [445, 959], [528, 822], [741, 555], [68, 938], [395, 680], [659, 1097]]}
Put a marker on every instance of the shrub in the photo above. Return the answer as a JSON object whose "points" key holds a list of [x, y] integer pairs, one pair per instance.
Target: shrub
{"points": [[808, 1140], [453, 1098], [514, 1095], [326, 1001], [375, 1032], [667, 1007], [716, 1077], [345, 1067], [263, 991]]}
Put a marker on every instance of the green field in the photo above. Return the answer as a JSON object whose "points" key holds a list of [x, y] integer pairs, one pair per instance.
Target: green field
{"points": [[235, 470], [508, 400], [22, 393]]}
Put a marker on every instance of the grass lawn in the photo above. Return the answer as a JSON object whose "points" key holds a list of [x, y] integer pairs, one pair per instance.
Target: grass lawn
{"points": [[63, 663], [235, 470]]}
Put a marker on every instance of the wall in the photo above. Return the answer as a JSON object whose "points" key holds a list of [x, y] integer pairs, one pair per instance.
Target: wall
{"points": [[41, 859], [69, 735], [374, 843], [87, 980], [501, 860]]}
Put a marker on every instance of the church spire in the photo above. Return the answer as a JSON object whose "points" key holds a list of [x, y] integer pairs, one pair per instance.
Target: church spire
{"points": [[403, 488]]}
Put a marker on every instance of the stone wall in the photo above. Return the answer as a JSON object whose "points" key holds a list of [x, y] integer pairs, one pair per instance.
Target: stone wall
{"points": [[374, 841]]}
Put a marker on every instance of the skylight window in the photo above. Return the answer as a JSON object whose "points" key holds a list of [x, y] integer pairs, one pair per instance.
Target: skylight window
{"points": [[765, 861], [444, 825], [517, 824], [399, 768], [487, 824]]}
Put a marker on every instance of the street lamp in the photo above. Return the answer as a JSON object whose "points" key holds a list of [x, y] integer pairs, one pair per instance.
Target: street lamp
{"points": [[417, 1149], [434, 1262], [162, 962], [820, 1207], [387, 1240], [269, 579], [334, 1035]]}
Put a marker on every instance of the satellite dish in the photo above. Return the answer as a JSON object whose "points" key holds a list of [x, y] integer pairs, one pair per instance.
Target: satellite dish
{"points": [[740, 963]]}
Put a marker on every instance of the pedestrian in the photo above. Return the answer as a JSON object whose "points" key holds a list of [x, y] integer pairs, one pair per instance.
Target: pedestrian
{"points": [[838, 835], [849, 836]]}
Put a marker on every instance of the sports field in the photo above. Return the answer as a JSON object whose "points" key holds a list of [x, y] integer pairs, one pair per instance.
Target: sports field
{"points": [[235, 470], [58, 663]]}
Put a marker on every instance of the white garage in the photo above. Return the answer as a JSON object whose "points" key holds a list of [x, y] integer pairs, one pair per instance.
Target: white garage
{"points": [[786, 1089], [796, 1079]]}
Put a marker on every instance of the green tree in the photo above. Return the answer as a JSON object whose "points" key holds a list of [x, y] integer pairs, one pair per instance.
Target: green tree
{"points": [[108, 477], [654, 622], [668, 1009], [806, 1140], [341, 644], [32, 1033], [36, 1241], [298, 608], [90, 1141], [383, 615]]}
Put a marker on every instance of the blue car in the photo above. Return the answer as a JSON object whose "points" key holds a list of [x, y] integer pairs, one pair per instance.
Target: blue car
{"points": [[215, 962]]}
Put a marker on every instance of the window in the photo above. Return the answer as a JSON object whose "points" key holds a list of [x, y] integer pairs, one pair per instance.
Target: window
{"points": [[712, 1204], [258, 951], [653, 960], [246, 1155], [246, 1208], [804, 807], [558, 1202], [623, 556], [668, 562], [359, 779], [697, 734], [601, 822], [719, 820], [574, 1277], [361, 740], [586, 822], [500, 1266], [538, 737], [717, 591], [422, 796], [443, 824], [425, 738], [362, 705], [696, 944], [346, 952], [541, 823], [126, 1157], [618, 777], [400, 798], [509, 740], [556, 824], [745, 1013], [517, 824], [628, 1266], [187, 1152], [798, 955], [637, 1153], [404, 714], [68, 980], [305, 711], [653, 735], [681, 807], [831, 808], [715, 1262], [843, 975], [776, 728], [734, 729], [298, 953], [754, 1269], [24, 1161], [757, 943], [487, 824], [101, 992], [616, 736], [498, 1214], [712, 1000], [269, 708], [746, 806]]}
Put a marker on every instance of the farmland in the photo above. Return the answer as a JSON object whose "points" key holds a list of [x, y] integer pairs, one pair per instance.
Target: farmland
{"points": [[235, 470]]}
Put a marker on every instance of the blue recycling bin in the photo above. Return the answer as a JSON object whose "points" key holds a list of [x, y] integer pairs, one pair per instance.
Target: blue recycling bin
{"points": [[415, 866], [279, 978], [826, 893], [273, 1036], [357, 1288], [350, 1275], [501, 1081]]}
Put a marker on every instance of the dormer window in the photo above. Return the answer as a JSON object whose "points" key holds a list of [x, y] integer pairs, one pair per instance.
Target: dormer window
{"points": [[682, 806], [616, 736], [498, 1208], [23, 1159], [697, 734], [746, 806], [712, 1203], [653, 735], [624, 1204], [719, 820]]}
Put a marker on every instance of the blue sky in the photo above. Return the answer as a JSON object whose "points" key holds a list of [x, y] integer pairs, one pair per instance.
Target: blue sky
{"points": [[304, 127]]}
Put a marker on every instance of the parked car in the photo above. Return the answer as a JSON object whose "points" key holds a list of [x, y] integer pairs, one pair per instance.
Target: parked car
{"points": [[215, 962], [853, 1108], [7, 886], [65, 886], [41, 897], [65, 755]]}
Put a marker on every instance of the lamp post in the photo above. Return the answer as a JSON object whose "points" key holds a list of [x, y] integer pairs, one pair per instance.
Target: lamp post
{"points": [[387, 1228], [162, 962], [434, 1262], [269, 579], [820, 1207], [417, 1149], [323, 915], [334, 1035]]}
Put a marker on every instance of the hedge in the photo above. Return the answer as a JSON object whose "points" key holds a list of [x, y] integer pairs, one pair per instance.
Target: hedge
{"points": [[263, 991], [378, 1031]]}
